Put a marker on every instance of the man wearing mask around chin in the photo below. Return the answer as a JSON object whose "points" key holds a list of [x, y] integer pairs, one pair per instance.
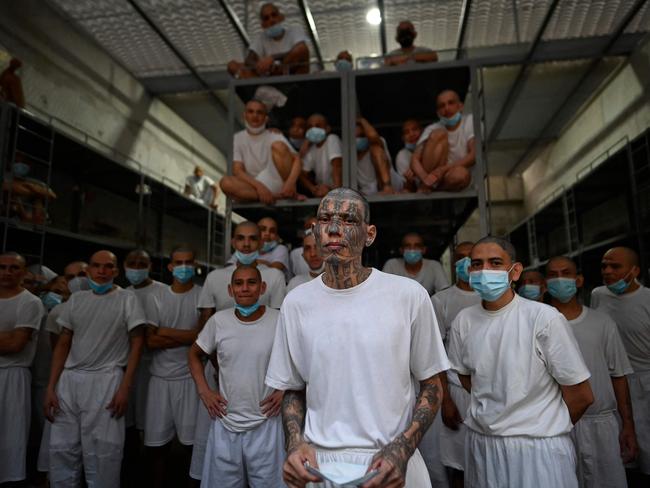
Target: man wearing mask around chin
{"points": [[272, 253], [265, 166], [627, 302], [412, 264], [348, 349], [532, 285], [323, 156], [245, 441], [93, 369], [409, 52], [172, 326], [215, 297], [527, 380], [313, 258], [278, 50], [601, 445], [445, 151]]}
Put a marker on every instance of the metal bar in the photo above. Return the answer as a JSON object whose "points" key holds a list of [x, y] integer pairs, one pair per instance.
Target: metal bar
{"points": [[481, 166], [462, 27], [313, 31], [176, 52], [518, 84], [613, 37], [236, 23], [382, 27], [347, 130]]}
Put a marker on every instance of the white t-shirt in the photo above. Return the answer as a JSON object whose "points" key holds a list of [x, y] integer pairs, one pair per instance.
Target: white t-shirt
{"points": [[51, 324], [319, 159], [243, 352], [265, 46], [100, 325], [299, 280], [297, 261], [200, 188], [631, 312], [23, 310], [142, 294], [215, 289], [517, 357], [166, 308], [254, 151], [604, 355], [447, 303], [279, 254], [403, 161], [431, 276], [458, 138], [356, 351]]}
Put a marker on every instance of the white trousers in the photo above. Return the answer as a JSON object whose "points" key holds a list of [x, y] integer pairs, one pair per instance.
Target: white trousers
{"points": [[203, 426], [452, 442], [595, 438], [640, 394], [15, 411], [171, 410], [519, 461], [84, 436], [43, 461], [430, 450], [417, 475], [244, 459]]}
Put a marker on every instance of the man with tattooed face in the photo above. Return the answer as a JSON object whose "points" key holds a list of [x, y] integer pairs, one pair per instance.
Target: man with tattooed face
{"points": [[346, 347]]}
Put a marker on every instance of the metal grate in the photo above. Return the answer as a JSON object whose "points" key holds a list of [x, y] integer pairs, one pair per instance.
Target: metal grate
{"points": [[579, 18]]}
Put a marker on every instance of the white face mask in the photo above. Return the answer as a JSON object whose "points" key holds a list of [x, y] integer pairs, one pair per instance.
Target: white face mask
{"points": [[255, 130]]}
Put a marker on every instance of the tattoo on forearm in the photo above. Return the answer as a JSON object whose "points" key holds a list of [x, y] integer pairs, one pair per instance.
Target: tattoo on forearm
{"points": [[293, 418]]}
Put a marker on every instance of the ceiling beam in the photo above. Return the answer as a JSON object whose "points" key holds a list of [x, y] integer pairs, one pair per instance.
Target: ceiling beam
{"points": [[523, 163], [522, 75], [382, 27], [236, 23], [313, 31], [462, 27]]}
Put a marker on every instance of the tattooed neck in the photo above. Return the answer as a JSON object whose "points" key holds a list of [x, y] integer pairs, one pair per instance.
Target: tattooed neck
{"points": [[341, 275]]}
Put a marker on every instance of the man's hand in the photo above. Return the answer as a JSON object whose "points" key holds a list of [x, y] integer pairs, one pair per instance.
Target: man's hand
{"points": [[321, 190], [264, 65], [433, 179], [265, 194], [629, 446], [391, 463], [271, 404], [214, 403], [387, 190], [51, 405], [288, 190], [450, 414], [119, 402], [293, 472]]}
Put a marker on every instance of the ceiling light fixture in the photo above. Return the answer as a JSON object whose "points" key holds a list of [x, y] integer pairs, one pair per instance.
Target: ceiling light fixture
{"points": [[373, 16]]}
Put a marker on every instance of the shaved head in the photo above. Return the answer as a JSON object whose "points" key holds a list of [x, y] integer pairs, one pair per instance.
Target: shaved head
{"points": [[16, 256], [410, 237], [449, 93], [245, 224], [502, 243], [103, 256], [138, 253], [532, 276], [568, 262], [629, 256], [255, 101]]}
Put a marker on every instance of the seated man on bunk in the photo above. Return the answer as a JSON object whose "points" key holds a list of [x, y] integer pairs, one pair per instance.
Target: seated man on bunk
{"points": [[375, 173], [26, 197], [265, 167], [322, 156], [445, 152], [411, 132], [200, 187], [278, 50], [409, 52]]}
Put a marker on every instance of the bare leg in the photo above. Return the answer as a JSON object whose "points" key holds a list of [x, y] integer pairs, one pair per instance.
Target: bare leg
{"points": [[238, 189], [157, 457], [456, 178], [436, 150], [282, 161], [382, 166]]}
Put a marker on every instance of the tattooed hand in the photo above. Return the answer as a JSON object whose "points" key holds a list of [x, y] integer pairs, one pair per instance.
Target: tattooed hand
{"points": [[294, 473], [391, 463]]}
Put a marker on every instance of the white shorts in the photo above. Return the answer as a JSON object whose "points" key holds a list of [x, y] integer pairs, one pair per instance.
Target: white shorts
{"points": [[595, 438], [135, 415], [84, 437], [270, 177], [203, 427], [640, 394], [238, 459], [519, 461], [416, 471], [15, 411], [452, 442], [171, 410], [430, 449]]}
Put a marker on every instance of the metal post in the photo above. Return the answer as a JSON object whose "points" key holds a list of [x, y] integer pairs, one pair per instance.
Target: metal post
{"points": [[347, 130], [227, 231], [481, 164]]}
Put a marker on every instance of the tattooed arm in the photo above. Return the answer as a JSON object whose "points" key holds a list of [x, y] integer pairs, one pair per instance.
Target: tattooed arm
{"points": [[391, 461], [294, 407]]}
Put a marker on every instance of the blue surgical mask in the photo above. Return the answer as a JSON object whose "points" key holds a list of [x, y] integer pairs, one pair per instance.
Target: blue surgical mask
{"points": [[274, 31], [563, 289], [78, 283], [410, 146], [296, 143], [362, 144], [246, 311], [491, 284], [462, 269], [619, 287], [343, 65], [530, 291], [246, 258], [136, 276], [51, 300], [100, 288], [412, 256], [20, 169], [269, 246], [315, 135], [451, 121], [183, 273]]}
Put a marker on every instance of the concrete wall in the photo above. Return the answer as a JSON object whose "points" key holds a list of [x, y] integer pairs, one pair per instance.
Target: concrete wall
{"points": [[67, 76]]}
